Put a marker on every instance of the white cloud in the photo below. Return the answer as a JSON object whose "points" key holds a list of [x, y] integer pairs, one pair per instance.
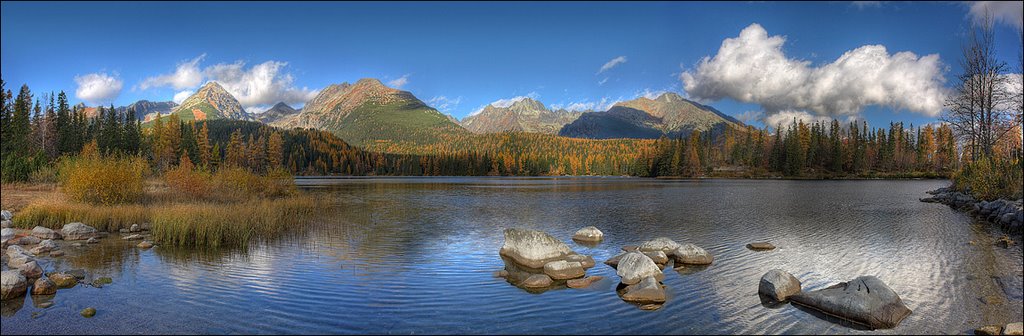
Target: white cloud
{"points": [[181, 96], [398, 83], [785, 118], [98, 88], [748, 116], [186, 75], [866, 4], [605, 80], [651, 94], [445, 104], [261, 85], [585, 105], [611, 64], [506, 102], [1008, 12], [752, 68]]}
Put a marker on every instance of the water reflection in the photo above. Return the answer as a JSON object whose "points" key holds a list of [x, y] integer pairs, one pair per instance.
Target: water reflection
{"points": [[417, 255]]}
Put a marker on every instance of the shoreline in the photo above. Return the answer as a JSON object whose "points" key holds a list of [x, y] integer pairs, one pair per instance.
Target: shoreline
{"points": [[1002, 213]]}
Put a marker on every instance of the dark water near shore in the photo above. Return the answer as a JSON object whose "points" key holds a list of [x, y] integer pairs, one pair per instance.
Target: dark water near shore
{"points": [[416, 255]]}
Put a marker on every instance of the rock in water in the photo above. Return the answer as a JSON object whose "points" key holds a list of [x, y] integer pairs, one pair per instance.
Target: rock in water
{"points": [[865, 300], [533, 248], [658, 257], [690, 254], [988, 330], [778, 285], [663, 244], [583, 282], [145, 244], [585, 260], [647, 290], [92, 240], [132, 237], [63, 280], [635, 266], [563, 270], [134, 228], [5, 215], [78, 231], [29, 240], [44, 286], [31, 270], [1014, 329], [12, 284], [88, 312], [537, 281], [588, 234], [761, 246], [45, 233], [614, 261]]}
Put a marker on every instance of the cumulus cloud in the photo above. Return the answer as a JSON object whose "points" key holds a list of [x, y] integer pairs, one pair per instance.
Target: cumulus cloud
{"points": [[186, 75], [603, 104], [181, 96], [752, 68], [611, 64], [785, 118], [262, 84], [445, 104], [398, 83], [256, 86], [866, 4], [98, 88], [1008, 12]]}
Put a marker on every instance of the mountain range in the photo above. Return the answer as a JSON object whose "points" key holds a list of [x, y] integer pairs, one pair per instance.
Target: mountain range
{"points": [[367, 113], [523, 115]]}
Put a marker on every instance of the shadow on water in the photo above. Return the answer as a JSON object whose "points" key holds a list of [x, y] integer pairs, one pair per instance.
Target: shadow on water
{"points": [[831, 318], [518, 273]]}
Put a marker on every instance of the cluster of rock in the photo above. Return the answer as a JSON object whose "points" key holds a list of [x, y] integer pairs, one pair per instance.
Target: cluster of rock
{"points": [[1007, 214], [536, 260], [865, 300], [640, 268], [995, 329], [21, 251]]}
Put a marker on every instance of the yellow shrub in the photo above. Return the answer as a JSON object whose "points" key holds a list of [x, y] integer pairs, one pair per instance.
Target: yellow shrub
{"points": [[989, 179], [103, 180], [188, 183]]}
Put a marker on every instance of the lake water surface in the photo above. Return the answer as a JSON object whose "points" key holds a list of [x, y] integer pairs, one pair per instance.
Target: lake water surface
{"points": [[416, 255]]}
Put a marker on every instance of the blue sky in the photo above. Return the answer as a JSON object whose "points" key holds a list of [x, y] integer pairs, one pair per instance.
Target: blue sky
{"points": [[462, 56]]}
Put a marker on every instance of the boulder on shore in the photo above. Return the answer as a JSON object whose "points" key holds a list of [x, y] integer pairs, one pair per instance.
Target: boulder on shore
{"points": [[647, 290], [533, 248], [1014, 329], [78, 231], [778, 285], [29, 240], [31, 270], [690, 254], [635, 266], [865, 300], [588, 234], [5, 215], [12, 284], [45, 233]]}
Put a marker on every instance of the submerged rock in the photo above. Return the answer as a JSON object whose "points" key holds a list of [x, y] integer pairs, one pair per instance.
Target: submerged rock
{"points": [[88, 312], [132, 237], [663, 244], [634, 267], [583, 282], [45, 233], [78, 231], [991, 329], [12, 284], [865, 300], [500, 274], [588, 234], [57, 253], [563, 270], [145, 244], [533, 248], [44, 286], [44, 246], [537, 281], [761, 246], [690, 254], [93, 240], [778, 285], [647, 290]]}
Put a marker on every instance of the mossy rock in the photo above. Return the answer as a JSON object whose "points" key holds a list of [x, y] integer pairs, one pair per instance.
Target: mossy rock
{"points": [[88, 312]]}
